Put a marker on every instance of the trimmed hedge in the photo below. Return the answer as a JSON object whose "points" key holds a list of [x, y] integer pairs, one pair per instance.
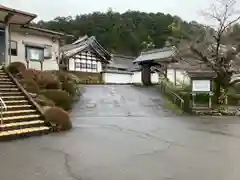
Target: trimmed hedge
{"points": [[29, 74], [69, 87], [43, 101], [74, 78], [61, 98], [47, 80], [58, 118], [16, 67], [62, 76], [30, 85]]}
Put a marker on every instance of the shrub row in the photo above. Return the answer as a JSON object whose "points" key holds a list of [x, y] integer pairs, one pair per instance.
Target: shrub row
{"points": [[52, 88]]}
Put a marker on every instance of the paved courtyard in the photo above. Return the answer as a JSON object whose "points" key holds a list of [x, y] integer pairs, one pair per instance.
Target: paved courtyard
{"points": [[127, 133]]}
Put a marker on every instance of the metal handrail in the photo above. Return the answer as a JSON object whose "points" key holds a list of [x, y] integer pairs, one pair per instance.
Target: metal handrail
{"points": [[3, 107], [174, 94]]}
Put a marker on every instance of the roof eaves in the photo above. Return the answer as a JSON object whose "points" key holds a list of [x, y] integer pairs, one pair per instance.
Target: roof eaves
{"points": [[44, 30], [100, 46], [73, 52], [4, 8]]}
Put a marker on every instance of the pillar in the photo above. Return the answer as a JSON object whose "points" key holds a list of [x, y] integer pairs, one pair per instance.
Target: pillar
{"points": [[6, 62], [146, 74]]}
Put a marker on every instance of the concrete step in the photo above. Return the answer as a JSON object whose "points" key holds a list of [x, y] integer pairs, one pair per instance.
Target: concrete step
{"points": [[10, 93], [22, 112], [21, 125], [4, 89], [19, 97], [12, 119], [16, 102], [19, 107], [8, 86], [26, 132], [5, 79], [4, 76], [6, 82], [18, 112]]}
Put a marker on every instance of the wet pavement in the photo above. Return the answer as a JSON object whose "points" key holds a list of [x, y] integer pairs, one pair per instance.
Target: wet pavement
{"points": [[127, 133]]}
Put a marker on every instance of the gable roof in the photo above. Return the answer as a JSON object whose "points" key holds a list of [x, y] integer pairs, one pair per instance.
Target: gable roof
{"points": [[121, 61], [157, 55], [85, 42]]}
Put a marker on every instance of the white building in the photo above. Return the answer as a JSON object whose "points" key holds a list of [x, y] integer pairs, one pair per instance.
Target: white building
{"points": [[85, 55], [36, 47]]}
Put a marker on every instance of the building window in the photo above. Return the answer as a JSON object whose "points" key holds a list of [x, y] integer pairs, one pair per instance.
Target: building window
{"points": [[48, 52], [89, 66], [34, 54], [13, 48], [78, 65], [94, 66]]}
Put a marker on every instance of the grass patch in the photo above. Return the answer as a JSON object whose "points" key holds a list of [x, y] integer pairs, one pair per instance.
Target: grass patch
{"points": [[173, 107]]}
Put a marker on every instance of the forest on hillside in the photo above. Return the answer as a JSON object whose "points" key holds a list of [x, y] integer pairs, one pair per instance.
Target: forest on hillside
{"points": [[128, 33]]}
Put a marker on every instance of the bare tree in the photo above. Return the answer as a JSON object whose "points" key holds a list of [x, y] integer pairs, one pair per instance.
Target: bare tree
{"points": [[208, 44]]}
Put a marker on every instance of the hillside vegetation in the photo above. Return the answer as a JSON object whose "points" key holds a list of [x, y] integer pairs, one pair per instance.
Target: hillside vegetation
{"points": [[127, 33]]}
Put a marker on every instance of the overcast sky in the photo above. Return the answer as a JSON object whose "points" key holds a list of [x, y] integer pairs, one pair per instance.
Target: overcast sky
{"points": [[49, 9]]}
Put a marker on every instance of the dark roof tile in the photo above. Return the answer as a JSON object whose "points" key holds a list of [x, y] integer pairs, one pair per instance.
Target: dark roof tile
{"points": [[156, 55]]}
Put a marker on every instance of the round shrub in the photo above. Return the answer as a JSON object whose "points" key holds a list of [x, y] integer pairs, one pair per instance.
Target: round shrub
{"points": [[69, 87], [43, 101], [30, 74], [61, 98], [62, 76], [30, 85], [16, 67], [74, 78], [58, 118], [48, 80]]}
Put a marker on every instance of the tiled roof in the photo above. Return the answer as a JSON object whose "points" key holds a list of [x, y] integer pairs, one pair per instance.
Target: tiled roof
{"points": [[201, 74], [81, 44], [121, 61], [156, 55]]}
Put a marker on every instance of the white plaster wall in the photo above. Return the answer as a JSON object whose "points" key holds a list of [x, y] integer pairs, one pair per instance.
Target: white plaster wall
{"points": [[71, 66], [154, 78], [137, 78], [116, 78], [181, 76], [170, 75], [48, 64], [99, 66]]}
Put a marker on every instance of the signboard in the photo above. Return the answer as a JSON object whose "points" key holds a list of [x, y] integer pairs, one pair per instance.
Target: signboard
{"points": [[34, 54], [201, 85]]}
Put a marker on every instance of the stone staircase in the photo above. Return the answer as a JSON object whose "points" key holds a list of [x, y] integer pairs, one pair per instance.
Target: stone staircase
{"points": [[21, 118]]}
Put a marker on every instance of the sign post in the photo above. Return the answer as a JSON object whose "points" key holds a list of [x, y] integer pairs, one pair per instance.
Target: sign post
{"points": [[202, 83]]}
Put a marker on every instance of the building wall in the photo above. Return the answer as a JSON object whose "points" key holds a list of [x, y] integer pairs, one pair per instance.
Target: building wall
{"points": [[181, 76], [48, 64], [137, 77], [116, 78], [88, 60], [154, 78]]}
